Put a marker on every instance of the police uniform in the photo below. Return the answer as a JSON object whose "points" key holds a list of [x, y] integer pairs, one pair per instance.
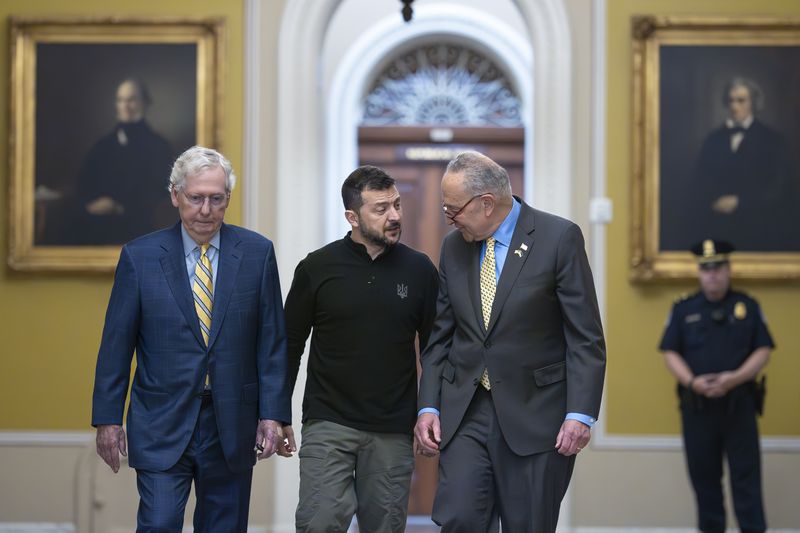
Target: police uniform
{"points": [[715, 337]]}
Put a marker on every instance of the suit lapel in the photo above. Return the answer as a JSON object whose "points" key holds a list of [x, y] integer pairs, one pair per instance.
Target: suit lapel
{"points": [[230, 258], [518, 252], [173, 264], [473, 251]]}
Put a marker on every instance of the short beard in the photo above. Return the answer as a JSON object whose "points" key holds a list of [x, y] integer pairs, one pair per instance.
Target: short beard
{"points": [[380, 239]]}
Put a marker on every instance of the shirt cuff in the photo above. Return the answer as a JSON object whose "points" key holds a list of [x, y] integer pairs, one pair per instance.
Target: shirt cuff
{"points": [[428, 410], [588, 420]]}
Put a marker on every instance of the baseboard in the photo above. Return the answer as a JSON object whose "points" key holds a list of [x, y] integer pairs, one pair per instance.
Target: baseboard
{"points": [[659, 530], [46, 438], [45, 527], [36, 527]]}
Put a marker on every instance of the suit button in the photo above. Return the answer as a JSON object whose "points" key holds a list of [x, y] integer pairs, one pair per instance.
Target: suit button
{"points": [[475, 381], [487, 344]]}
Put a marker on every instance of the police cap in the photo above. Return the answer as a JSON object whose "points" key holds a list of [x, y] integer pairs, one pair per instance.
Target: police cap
{"points": [[712, 253]]}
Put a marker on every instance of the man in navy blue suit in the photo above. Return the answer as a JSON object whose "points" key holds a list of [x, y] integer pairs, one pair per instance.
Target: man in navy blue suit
{"points": [[200, 303]]}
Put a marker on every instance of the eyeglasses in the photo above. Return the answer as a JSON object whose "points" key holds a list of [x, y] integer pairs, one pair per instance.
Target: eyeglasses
{"points": [[198, 200], [458, 212]]}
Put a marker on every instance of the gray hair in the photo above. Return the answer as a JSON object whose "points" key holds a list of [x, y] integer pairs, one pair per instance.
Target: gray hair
{"points": [[481, 174], [756, 94], [195, 160]]}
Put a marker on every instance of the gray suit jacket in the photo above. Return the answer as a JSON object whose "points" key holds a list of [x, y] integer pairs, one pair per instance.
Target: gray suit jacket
{"points": [[544, 346]]}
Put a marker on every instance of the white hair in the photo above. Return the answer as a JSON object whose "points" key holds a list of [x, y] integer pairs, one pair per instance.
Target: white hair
{"points": [[195, 160]]}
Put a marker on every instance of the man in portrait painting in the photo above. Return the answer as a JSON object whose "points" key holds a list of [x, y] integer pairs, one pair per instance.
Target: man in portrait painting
{"points": [[122, 180], [743, 177]]}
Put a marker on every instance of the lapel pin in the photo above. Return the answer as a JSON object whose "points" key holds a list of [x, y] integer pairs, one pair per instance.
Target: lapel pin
{"points": [[524, 247], [518, 252]]}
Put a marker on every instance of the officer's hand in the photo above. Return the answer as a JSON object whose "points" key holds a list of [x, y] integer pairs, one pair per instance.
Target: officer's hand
{"points": [[721, 385], [703, 384]]}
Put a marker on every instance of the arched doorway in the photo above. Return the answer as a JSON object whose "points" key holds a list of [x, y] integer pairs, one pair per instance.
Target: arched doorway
{"points": [[429, 102], [315, 131]]}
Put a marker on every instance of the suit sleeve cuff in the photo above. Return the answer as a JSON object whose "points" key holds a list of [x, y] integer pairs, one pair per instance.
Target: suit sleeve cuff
{"points": [[588, 420], [428, 410]]}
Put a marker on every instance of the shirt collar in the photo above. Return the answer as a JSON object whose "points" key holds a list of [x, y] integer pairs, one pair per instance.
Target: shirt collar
{"points": [[361, 250], [190, 246], [746, 123], [505, 231]]}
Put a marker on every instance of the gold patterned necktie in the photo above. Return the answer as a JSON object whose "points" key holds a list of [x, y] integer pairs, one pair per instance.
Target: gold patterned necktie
{"points": [[488, 288], [203, 290]]}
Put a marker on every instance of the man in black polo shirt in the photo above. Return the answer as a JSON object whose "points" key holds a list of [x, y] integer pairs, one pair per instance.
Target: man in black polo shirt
{"points": [[366, 297], [715, 344]]}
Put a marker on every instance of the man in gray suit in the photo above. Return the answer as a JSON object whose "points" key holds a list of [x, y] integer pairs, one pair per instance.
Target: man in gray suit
{"points": [[513, 371]]}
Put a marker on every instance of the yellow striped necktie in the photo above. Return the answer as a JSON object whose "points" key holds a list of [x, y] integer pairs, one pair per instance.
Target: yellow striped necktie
{"points": [[203, 291], [488, 281]]}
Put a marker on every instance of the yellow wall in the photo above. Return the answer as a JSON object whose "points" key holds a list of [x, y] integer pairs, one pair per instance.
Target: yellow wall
{"points": [[640, 395], [51, 323]]}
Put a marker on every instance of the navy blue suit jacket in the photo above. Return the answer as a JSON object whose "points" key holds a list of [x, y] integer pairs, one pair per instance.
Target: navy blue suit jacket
{"points": [[151, 310]]}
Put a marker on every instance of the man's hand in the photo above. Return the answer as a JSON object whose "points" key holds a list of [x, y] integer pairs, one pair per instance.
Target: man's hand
{"points": [[726, 204], [572, 437], [721, 385], [105, 205], [704, 384], [427, 435], [110, 444], [269, 435], [287, 445]]}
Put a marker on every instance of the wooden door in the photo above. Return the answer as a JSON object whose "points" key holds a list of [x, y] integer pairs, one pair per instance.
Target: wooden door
{"points": [[417, 164]]}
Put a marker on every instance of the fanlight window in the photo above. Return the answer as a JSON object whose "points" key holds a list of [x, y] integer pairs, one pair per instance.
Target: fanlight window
{"points": [[442, 84]]}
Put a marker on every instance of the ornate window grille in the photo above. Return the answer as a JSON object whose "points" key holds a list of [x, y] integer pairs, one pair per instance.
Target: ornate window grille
{"points": [[442, 84]]}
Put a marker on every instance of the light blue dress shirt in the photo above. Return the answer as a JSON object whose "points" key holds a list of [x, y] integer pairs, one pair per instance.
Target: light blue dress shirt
{"points": [[191, 251], [502, 237]]}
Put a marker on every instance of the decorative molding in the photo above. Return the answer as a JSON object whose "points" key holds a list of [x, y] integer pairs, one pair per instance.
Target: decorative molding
{"points": [[36, 527], [251, 182], [671, 443], [598, 153], [549, 30], [300, 159]]}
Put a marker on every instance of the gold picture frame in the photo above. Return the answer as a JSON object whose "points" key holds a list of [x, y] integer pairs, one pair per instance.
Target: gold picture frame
{"points": [[684, 68], [72, 138]]}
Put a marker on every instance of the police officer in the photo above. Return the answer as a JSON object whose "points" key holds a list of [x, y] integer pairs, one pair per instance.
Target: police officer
{"points": [[715, 343]]}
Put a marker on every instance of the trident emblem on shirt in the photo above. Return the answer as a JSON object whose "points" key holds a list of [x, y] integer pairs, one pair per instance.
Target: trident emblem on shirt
{"points": [[402, 290]]}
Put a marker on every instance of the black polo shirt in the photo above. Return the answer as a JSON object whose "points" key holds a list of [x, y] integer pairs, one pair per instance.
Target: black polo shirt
{"points": [[363, 315]]}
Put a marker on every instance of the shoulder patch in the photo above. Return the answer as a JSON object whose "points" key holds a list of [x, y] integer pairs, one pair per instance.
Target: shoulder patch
{"points": [[682, 297]]}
